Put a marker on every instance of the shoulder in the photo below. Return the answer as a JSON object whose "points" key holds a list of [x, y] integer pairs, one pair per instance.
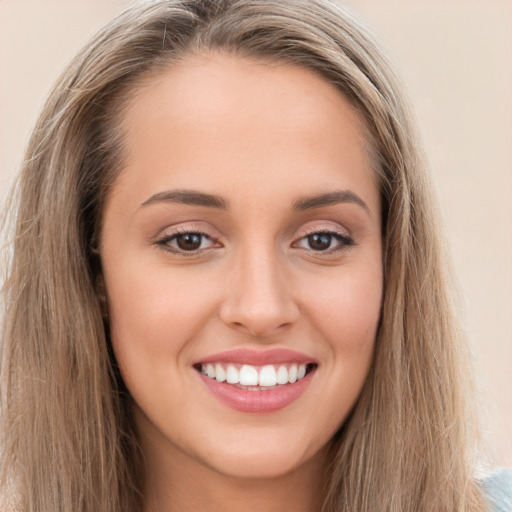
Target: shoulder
{"points": [[497, 487]]}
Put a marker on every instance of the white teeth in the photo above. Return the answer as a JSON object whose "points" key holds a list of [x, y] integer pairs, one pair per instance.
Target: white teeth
{"points": [[292, 374], [210, 371], [220, 374], [282, 375], [232, 375], [248, 375], [268, 376]]}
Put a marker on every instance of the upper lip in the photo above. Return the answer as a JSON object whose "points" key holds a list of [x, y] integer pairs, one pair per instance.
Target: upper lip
{"points": [[258, 358]]}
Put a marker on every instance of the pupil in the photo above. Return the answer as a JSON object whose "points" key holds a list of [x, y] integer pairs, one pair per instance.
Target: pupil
{"points": [[189, 241], [319, 241]]}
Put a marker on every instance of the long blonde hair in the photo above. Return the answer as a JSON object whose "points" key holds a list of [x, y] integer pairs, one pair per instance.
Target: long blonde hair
{"points": [[67, 440]]}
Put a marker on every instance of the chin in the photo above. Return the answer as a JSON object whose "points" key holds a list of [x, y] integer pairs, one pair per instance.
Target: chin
{"points": [[265, 464], [263, 453]]}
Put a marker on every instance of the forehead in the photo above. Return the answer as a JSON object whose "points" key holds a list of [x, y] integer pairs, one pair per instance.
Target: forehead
{"points": [[216, 118]]}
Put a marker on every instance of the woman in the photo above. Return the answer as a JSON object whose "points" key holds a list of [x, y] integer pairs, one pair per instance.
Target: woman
{"points": [[227, 286]]}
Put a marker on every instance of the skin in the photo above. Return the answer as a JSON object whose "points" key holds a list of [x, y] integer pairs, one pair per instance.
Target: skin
{"points": [[260, 136]]}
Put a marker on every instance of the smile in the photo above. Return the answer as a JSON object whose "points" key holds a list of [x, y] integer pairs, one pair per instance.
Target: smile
{"points": [[257, 382], [255, 378]]}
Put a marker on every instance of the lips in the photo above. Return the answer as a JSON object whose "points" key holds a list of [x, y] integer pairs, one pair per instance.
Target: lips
{"points": [[257, 382]]}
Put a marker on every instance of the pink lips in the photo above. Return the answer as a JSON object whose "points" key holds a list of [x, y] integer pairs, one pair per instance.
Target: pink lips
{"points": [[262, 400], [246, 356]]}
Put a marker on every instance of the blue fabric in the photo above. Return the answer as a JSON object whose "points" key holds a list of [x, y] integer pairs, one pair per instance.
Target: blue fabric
{"points": [[498, 489]]}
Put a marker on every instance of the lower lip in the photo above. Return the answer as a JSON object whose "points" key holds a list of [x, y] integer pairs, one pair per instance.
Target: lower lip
{"points": [[263, 401]]}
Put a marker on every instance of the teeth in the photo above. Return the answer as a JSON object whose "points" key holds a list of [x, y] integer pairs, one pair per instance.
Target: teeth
{"points": [[268, 376], [220, 374], [282, 375], [248, 375], [232, 375], [210, 371], [252, 376], [292, 374]]}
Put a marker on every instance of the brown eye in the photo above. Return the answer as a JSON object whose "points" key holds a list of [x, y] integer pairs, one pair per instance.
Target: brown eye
{"points": [[189, 241], [320, 241], [327, 242]]}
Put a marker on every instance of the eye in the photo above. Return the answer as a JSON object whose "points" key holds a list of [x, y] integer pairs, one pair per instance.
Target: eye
{"points": [[324, 242], [190, 242]]}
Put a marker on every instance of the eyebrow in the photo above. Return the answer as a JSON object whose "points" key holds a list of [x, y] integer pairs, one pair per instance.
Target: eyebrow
{"points": [[194, 198], [189, 197], [330, 198]]}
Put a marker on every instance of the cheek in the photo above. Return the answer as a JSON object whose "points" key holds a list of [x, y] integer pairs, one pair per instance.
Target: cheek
{"points": [[155, 312], [147, 292], [347, 310], [155, 317]]}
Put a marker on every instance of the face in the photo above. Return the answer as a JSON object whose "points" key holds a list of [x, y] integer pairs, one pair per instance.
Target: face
{"points": [[242, 261]]}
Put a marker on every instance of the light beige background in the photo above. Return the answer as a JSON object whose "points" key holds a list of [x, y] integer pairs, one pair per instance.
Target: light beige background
{"points": [[455, 56]]}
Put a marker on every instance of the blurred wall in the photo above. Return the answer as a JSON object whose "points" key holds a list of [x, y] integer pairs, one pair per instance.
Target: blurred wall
{"points": [[455, 57]]}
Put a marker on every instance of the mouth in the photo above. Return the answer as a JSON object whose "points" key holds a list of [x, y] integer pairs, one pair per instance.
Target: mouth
{"points": [[256, 378], [257, 382]]}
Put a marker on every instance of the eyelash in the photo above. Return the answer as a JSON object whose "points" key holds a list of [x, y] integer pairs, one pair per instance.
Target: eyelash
{"points": [[166, 240], [344, 242]]}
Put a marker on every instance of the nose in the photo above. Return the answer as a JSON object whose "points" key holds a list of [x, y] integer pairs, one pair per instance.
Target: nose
{"points": [[259, 299]]}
